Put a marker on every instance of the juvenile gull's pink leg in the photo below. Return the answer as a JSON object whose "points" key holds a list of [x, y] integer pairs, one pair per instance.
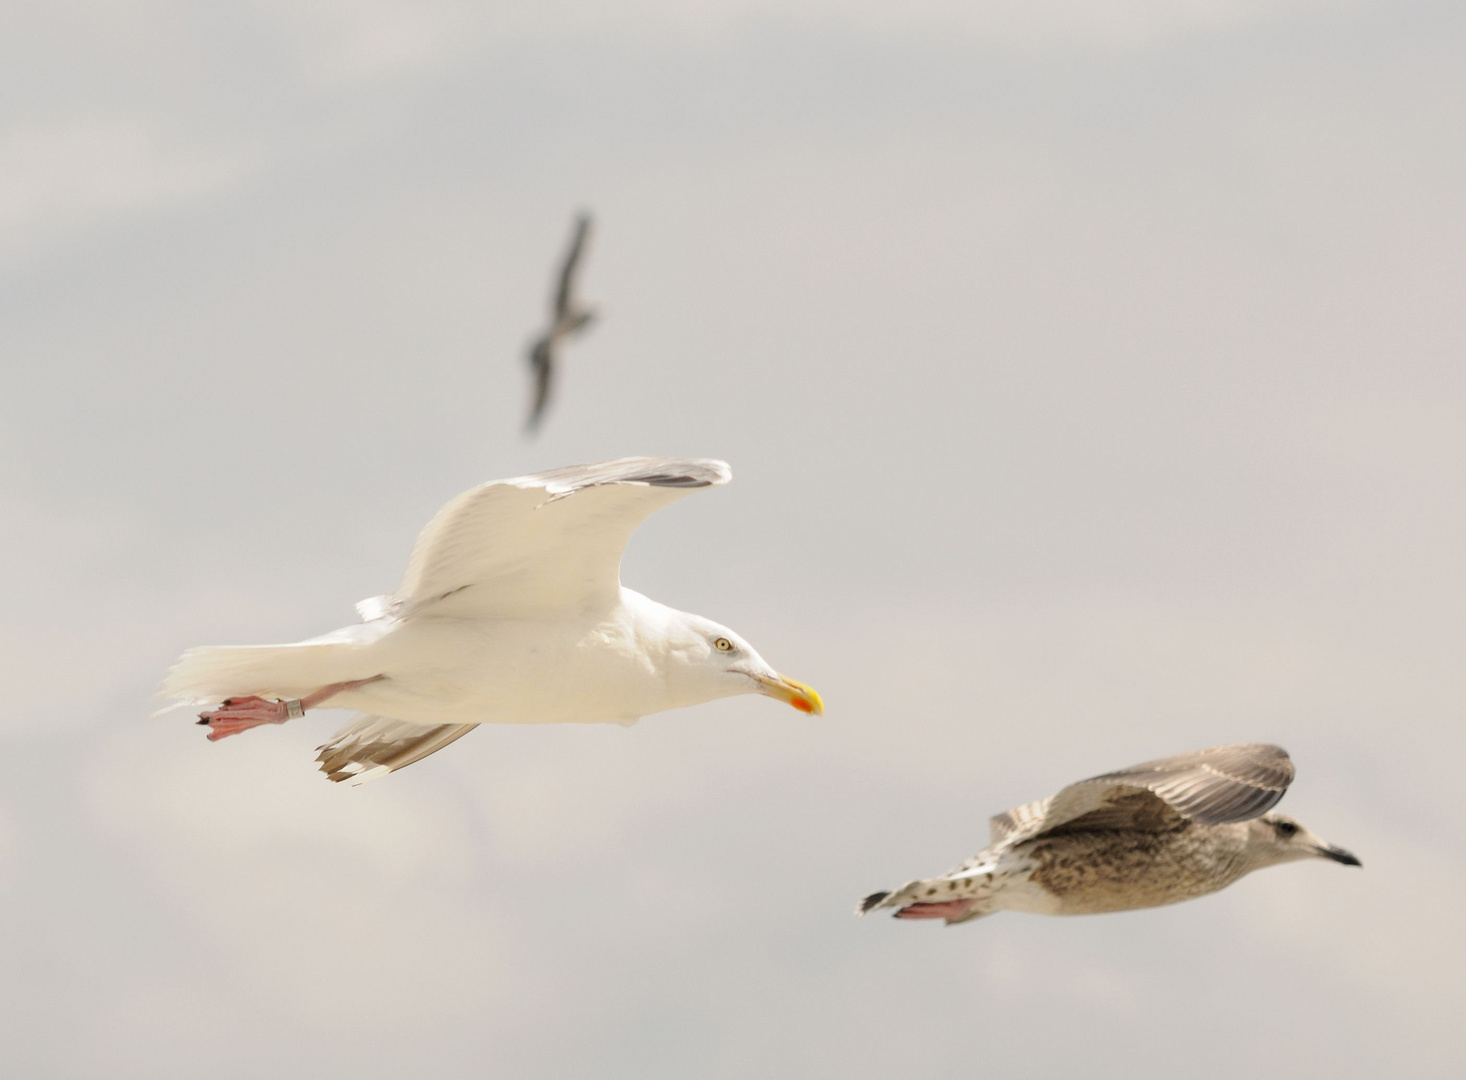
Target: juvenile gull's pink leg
{"points": [[946, 909], [242, 713]]}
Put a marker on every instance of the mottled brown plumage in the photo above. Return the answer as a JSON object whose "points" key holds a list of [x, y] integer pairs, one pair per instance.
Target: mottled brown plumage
{"points": [[1156, 833], [1115, 870]]}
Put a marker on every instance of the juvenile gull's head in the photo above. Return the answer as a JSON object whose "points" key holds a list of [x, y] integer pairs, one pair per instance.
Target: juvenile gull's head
{"points": [[1275, 838]]}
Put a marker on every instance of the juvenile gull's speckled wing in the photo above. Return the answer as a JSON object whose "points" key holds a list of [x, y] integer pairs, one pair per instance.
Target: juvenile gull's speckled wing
{"points": [[540, 545], [1009, 823], [1209, 787]]}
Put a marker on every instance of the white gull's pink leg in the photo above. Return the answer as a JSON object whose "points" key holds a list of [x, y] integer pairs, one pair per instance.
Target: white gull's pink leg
{"points": [[242, 713]]}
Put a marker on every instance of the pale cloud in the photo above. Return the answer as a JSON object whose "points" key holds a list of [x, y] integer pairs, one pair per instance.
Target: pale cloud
{"points": [[9, 840], [293, 896], [92, 622], [1400, 945], [1014, 24], [339, 44], [59, 178]]}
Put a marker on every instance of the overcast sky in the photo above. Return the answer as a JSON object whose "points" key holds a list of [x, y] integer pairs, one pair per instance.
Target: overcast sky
{"points": [[1092, 378]]}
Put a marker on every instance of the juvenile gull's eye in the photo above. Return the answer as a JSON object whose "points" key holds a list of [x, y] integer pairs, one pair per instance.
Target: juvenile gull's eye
{"points": [[1286, 828], [723, 645]]}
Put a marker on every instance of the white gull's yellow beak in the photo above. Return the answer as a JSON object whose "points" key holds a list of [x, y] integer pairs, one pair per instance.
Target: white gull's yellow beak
{"points": [[804, 698]]}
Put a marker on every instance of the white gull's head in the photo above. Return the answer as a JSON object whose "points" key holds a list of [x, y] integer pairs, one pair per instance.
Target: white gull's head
{"points": [[702, 660]]}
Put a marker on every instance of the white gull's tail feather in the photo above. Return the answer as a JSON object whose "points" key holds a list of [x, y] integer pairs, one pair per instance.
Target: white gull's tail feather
{"points": [[210, 674]]}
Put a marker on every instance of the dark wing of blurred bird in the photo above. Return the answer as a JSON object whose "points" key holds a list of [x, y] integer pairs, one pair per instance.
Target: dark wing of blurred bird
{"points": [[568, 316]]}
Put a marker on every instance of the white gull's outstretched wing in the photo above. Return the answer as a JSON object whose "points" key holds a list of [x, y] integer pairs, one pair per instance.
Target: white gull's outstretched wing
{"points": [[540, 545], [1210, 787]]}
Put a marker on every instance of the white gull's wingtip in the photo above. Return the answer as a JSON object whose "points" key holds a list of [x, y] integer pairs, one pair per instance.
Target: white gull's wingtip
{"points": [[377, 607], [368, 774]]}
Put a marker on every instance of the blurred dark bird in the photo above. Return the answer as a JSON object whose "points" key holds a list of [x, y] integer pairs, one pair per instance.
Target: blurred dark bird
{"points": [[567, 316]]}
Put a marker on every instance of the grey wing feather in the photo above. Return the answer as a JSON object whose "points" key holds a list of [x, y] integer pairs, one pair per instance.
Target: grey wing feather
{"points": [[1014, 821], [1210, 787], [373, 746], [653, 472], [1214, 786]]}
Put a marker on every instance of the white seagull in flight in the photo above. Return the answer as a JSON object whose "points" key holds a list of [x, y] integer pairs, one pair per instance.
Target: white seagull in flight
{"points": [[511, 611]]}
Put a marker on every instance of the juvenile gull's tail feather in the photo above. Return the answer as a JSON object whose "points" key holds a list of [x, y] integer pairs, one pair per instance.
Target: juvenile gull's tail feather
{"points": [[956, 899]]}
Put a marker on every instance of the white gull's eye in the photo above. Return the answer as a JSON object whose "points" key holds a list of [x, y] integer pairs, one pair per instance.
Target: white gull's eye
{"points": [[723, 645]]}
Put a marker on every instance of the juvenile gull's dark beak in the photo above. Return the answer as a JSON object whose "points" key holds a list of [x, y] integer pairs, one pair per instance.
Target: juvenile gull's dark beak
{"points": [[1338, 854]]}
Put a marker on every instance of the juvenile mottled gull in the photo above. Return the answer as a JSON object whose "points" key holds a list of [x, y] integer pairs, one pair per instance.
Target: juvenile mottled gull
{"points": [[567, 316], [511, 611], [1152, 834]]}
